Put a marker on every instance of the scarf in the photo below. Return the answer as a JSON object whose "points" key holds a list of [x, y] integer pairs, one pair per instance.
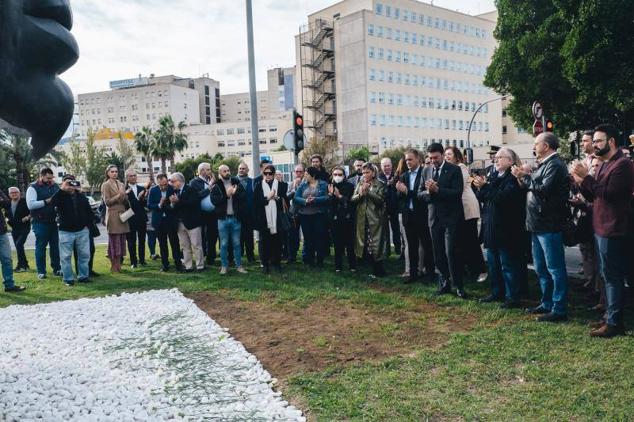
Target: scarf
{"points": [[271, 208]]}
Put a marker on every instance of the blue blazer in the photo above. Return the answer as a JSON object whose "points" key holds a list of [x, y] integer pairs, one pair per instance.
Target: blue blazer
{"points": [[162, 217], [321, 200]]}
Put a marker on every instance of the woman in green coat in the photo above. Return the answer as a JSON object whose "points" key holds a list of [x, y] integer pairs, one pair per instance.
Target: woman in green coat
{"points": [[371, 229]]}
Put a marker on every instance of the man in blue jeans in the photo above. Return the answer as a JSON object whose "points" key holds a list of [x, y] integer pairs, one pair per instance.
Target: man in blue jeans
{"points": [[75, 217], [548, 188], [5, 251], [229, 198], [38, 200], [610, 191]]}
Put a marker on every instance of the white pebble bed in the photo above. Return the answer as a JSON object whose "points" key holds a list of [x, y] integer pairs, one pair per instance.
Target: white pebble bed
{"points": [[136, 357]]}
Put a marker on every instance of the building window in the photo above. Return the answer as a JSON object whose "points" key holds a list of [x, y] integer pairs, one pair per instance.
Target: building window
{"points": [[370, 29], [378, 9], [371, 52]]}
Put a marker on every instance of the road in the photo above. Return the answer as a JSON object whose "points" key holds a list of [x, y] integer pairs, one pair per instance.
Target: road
{"points": [[102, 239]]}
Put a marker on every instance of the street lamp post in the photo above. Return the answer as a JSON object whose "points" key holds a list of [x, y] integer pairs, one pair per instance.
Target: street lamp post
{"points": [[255, 142], [474, 116]]}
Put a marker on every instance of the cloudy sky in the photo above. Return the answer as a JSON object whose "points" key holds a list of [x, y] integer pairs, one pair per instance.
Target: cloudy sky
{"points": [[120, 39]]}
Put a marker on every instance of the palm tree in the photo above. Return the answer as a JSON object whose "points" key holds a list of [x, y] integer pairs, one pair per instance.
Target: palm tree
{"points": [[170, 139], [145, 144]]}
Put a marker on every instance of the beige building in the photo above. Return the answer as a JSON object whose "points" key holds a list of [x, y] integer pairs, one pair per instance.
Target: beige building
{"points": [[388, 73], [134, 103]]}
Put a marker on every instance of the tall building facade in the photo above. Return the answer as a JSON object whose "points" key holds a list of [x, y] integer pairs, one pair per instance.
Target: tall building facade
{"points": [[134, 103], [389, 73]]}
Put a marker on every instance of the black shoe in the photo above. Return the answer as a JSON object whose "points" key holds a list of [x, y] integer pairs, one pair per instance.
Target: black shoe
{"points": [[69, 283], [461, 293], [510, 304], [155, 257], [444, 290], [552, 317], [57, 273], [411, 279], [189, 270], [15, 289], [19, 270], [200, 270], [537, 310], [164, 269], [143, 264], [489, 299], [84, 280], [93, 274]]}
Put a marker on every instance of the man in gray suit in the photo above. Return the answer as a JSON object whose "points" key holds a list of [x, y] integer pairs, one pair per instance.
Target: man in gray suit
{"points": [[441, 189]]}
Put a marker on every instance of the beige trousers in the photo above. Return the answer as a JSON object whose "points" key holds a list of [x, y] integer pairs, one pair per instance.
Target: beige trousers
{"points": [[192, 246]]}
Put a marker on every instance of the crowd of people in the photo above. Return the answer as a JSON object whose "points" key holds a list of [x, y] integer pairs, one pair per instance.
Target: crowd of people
{"points": [[430, 209]]}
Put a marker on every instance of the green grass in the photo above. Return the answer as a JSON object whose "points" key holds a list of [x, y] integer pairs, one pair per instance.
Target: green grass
{"points": [[507, 367]]}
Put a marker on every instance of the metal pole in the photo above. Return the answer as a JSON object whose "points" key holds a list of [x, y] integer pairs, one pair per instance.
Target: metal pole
{"points": [[474, 116], [255, 142]]}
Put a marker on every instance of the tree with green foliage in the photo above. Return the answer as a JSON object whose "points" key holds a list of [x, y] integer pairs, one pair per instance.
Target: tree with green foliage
{"points": [[232, 162], [574, 56], [145, 144], [394, 154], [127, 154], [74, 160], [361, 153], [170, 139], [189, 167], [327, 147], [96, 163]]}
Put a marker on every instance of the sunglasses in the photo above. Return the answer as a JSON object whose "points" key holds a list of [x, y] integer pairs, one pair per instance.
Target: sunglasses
{"points": [[268, 173]]}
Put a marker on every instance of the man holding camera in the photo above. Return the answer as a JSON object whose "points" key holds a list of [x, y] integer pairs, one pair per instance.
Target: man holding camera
{"points": [[75, 217]]}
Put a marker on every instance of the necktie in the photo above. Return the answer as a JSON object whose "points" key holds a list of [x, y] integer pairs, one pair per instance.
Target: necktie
{"points": [[436, 174]]}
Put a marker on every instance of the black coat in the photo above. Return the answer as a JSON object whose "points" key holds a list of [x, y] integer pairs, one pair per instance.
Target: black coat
{"points": [[187, 209], [445, 206], [420, 208], [342, 209], [391, 194], [15, 220], [260, 202], [74, 212], [219, 199], [547, 202], [503, 226], [139, 219]]}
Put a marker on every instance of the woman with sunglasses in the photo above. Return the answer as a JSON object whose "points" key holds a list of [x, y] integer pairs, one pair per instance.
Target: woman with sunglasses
{"points": [[371, 228], [342, 219], [268, 198]]}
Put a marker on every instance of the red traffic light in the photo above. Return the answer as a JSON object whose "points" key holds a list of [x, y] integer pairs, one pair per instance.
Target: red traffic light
{"points": [[299, 121]]}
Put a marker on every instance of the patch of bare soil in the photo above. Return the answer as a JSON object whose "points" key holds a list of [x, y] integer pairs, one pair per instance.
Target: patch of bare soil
{"points": [[290, 340]]}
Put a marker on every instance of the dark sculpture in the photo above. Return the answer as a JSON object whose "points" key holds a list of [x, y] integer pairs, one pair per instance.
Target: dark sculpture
{"points": [[35, 46]]}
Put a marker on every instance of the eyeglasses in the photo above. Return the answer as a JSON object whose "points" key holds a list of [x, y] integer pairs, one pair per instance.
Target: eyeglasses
{"points": [[268, 173]]}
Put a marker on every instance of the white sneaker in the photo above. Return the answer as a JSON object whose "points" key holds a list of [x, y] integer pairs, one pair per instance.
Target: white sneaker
{"points": [[223, 270], [41, 276], [241, 270], [482, 277]]}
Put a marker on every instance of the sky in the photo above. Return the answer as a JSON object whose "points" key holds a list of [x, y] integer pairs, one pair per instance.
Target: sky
{"points": [[120, 39]]}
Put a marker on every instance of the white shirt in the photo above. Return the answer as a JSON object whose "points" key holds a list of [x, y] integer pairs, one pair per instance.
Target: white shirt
{"points": [[135, 190], [31, 199], [547, 158]]}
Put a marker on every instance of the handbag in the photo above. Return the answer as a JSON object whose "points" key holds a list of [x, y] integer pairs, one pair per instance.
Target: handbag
{"points": [[126, 215], [94, 230], [283, 222]]}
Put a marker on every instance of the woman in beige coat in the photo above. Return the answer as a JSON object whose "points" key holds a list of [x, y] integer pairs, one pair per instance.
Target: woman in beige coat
{"points": [[114, 195], [468, 240]]}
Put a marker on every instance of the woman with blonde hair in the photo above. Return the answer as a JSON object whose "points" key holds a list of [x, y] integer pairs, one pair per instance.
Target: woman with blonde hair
{"points": [[115, 197]]}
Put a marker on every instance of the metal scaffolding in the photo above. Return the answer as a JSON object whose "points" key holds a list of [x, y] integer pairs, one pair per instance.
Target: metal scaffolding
{"points": [[317, 72]]}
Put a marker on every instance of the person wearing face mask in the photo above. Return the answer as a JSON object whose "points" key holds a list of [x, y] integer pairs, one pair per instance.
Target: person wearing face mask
{"points": [[370, 222], [268, 201], [611, 192], [502, 226], [342, 219]]}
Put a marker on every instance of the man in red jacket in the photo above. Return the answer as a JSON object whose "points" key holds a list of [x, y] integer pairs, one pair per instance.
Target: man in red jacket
{"points": [[611, 192]]}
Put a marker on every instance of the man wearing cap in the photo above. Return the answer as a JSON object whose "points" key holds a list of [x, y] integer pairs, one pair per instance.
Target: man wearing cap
{"points": [[547, 211], [75, 217], [490, 169], [20, 221]]}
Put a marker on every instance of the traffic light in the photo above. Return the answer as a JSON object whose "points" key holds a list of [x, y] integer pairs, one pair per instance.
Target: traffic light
{"points": [[298, 131], [550, 126]]}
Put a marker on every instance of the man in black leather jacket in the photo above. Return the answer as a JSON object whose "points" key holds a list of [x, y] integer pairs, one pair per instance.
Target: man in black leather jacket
{"points": [[548, 188]]}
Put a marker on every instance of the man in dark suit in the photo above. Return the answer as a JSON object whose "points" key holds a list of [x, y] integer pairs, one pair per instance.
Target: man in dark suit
{"points": [[20, 221], [138, 222], [415, 215], [356, 175], [248, 222], [186, 207], [442, 189], [164, 222], [209, 222], [391, 200]]}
